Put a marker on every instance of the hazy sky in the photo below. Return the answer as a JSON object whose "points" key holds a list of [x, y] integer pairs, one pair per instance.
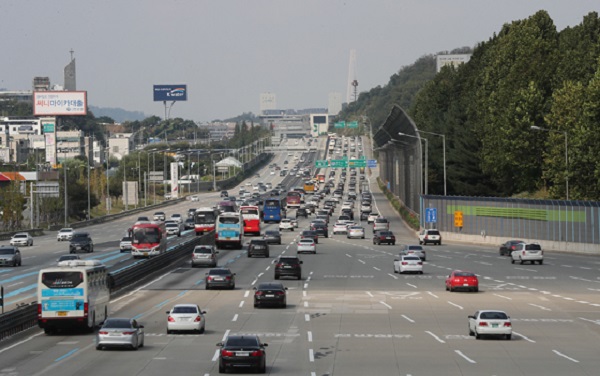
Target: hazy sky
{"points": [[230, 51]]}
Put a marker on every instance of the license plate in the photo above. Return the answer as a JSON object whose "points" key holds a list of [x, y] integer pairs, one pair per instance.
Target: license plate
{"points": [[494, 325], [227, 238], [465, 284], [270, 296], [61, 313], [114, 334], [388, 238], [145, 253], [287, 267], [218, 279], [242, 353]]}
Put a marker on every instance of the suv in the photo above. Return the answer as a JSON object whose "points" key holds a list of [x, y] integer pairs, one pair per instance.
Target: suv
{"points": [[301, 212], [125, 244], [10, 255], [288, 266], [204, 255], [160, 216], [258, 247], [531, 252], [381, 224], [430, 236], [64, 234], [81, 241]]}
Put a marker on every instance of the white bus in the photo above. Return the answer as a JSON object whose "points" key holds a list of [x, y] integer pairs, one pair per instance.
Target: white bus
{"points": [[229, 229], [75, 294]]}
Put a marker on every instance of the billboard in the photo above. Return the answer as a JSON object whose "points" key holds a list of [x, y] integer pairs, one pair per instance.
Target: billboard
{"points": [[455, 60], [174, 180], [60, 103], [170, 93]]}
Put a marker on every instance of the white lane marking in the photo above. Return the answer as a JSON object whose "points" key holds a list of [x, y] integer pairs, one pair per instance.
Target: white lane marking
{"points": [[393, 276], [385, 304], [306, 317], [309, 335], [597, 322], [313, 374], [408, 318], [361, 261], [67, 342], [583, 302], [528, 270], [503, 297], [15, 284], [585, 268], [225, 334], [436, 337], [216, 356], [254, 282], [564, 356], [371, 295], [456, 305], [247, 293], [376, 268], [311, 355], [464, 356], [304, 293], [242, 303], [499, 281], [306, 285], [432, 294], [566, 266], [308, 279], [268, 267], [414, 286], [305, 304], [566, 298], [483, 263], [348, 255], [160, 358], [260, 275], [235, 317], [524, 337]]}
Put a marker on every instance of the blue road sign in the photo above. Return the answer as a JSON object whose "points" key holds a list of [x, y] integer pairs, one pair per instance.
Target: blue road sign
{"points": [[430, 215], [372, 163]]}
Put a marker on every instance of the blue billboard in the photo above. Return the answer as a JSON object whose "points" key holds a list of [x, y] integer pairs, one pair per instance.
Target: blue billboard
{"points": [[170, 93]]}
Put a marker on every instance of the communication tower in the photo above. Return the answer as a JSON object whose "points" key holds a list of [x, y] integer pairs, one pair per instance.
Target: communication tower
{"points": [[352, 91]]}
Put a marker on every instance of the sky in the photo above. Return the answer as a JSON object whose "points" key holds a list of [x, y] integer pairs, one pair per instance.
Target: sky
{"points": [[228, 52]]}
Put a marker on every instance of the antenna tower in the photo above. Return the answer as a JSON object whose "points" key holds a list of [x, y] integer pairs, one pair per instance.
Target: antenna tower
{"points": [[352, 89]]}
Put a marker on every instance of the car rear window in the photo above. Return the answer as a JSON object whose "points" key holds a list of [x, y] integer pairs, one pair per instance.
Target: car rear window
{"points": [[202, 250], [493, 316], [261, 242], [117, 324], [533, 247], [464, 274], [184, 310], [242, 342], [218, 272], [433, 232]]}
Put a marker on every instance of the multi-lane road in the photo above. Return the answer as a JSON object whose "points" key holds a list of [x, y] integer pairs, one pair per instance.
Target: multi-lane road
{"points": [[350, 314]]}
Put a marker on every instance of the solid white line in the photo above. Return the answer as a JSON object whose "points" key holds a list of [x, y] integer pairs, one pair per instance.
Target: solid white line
{"points": [[216, 356], [436, 337], [393, 276], [304, 293], [597, 322], [361, 261], [268, 267], [385, 304], [376, 268], [432, 294], [246, 294], [14, 284], [369, 293], [566, 357], [411, 285], [306, 317], [408, 318], [348, 255], [464, 356], [309, 335], [524, 337], [235, 317], [311, 355], [503, 297], [456, 305], [241, 303], [225, 335]]}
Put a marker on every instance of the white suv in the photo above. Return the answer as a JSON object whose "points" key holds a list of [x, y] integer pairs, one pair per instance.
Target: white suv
{"points": [[64, 234], [531, 252], [430, 236]]}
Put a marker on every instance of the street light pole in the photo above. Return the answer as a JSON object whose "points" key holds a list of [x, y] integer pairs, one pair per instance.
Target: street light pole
{"points": [[65, 182], [108, 202], [536, 128], [426, 157], [443, 151]]}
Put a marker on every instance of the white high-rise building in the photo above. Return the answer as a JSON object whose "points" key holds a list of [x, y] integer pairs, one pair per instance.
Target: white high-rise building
{"points": [[268, 101], [335, 103]]}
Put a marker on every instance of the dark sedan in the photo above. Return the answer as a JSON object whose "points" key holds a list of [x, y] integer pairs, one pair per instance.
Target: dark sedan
{"points": [[507, 248], [219, 277], [242, 352], [309, 234], [384, 237], [272, 237], [270, 293], [321, 229]]}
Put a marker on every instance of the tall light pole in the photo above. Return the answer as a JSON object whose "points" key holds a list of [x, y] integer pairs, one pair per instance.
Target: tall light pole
{"points": [[443, 151], [66, 200], [108, 202], [89, 161], [125, 195], [426, 157], [536, 128]]}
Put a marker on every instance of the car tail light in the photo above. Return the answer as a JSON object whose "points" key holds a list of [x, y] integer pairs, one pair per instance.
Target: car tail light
{"points": [[279, 293], [483, 323], [420, 263], [209, 278], [404, 263], [228, 278], [507, 324], [171, 318], [256, 353], [258, 293], [128, 333], [226, 353], [280, 265], [104, 332], [198, 318]]}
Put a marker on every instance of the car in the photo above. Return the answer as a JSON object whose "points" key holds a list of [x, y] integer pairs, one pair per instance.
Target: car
{"points": [[462, 280], [10, 256], [173, 228], [195, 198], [177, 218], [142, 219], [531, 252], [189, 223], [191, 213], [294, 222], [258, 247], [68, 257], [186, 317], [160, 216], [270, 293], [307, 245], [348, 212], [414, 250], [340, 227], [356, 232], [219, 277], [242, 352], [272, 172], [508, 247], [64, 234], [272, 237], [21, 238], [372, 217], [301, 212], [380, 223], [412, 264], [490, 322], [125, 243], [274, 193], [120, 332], [384, 236], [224, 194], [310, 235], [204, 255], [286, 224], [288, 266], [81, 241], [321, 229], [365, 207], [168, 196], [430, 236]]}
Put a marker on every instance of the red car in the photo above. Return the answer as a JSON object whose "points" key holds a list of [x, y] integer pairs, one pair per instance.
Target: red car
{"points": [[460, 279]]}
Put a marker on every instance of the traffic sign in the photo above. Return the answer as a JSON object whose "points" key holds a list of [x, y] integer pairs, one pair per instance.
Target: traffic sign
{"points": [[353, 124], [358, 163], [321, 163], [458, 219], [339, 163], [430, 215], [372, 163], [340, 124]]}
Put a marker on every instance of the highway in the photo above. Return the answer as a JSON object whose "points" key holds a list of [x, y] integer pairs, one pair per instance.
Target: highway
{"points": [[351, 315]]}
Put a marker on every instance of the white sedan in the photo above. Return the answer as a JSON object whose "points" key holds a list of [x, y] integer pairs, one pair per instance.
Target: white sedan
{"points": [[22, 238], [186, 317], [411, 264], [340, 228], [355, 232], [286, 224], [307, 245], [490, 322]]}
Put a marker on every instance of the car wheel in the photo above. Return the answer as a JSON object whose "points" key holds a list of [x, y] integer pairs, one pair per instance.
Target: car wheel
{"points": [[249, 255], [262, 369], [201, 331], [15, 263], [476, 289], [471, 332], [169, 332], [20, 262], [267, 255], [276, 276], [508, 337], [512, 261], [450, 288], [222, 368], [520, 259], [541, 262], [207, 287], [477, 335], [232, 287]]}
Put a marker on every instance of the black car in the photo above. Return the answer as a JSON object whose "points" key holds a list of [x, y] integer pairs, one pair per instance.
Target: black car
{"points": [[270, 293], [383, 236], [272, 237], [349, 213], [274, 193], [301, 212], [189, 223], [219, 277], [321, 229], [81, 241], [507, 248], [224, 194], [364, 216], [309, 234], [242, 352], [288, 266], [258, 247]]}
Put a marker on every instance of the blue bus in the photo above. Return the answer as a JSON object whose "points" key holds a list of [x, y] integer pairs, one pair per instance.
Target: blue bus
{"points": [[273, 209]]}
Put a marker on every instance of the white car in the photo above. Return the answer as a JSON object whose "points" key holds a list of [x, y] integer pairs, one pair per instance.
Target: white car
{"points": [[372, 217], [186, 317], [365, 208], [340, 228], [286, 224], [177, 218], [404, 264], [307, 245], [195, 198], [173, 228], [272, 173], [430, 236], [355, 232], [531, 252], [64, 234], [490, 322], [22, 238]]}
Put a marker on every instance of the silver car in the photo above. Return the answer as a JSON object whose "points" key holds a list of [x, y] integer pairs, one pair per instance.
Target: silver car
{"points": [[186, 317], [10, 256], [355, 232], [22, 238], [204, 255], [64, 234], [414, 250], [307, 245], [120, 332]]}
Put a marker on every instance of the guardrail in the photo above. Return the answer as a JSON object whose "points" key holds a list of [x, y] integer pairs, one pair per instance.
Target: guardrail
{"points": [[25, 316]]}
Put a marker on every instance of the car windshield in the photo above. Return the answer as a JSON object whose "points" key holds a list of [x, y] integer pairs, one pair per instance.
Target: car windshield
{"points": [[7, 251], [116, 324], [493, 316], [20, 236], [184, 309]]}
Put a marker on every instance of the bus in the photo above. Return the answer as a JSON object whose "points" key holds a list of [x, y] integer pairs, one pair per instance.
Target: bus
{"points": [[251, 217], [148, 239], [293, 199], [73, 295], [272, 209], [229, 230], [309, 187], [204, 220]]}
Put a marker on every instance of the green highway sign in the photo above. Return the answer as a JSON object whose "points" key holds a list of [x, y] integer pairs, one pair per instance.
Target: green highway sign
{"points": [[339, 163], [321, 163], [358, 163], [340, 124], [362, 157], [353, 124]]}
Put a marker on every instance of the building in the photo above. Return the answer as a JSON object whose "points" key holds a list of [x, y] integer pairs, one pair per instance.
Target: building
{"points": [[268, 101], [99, 153], [70, 144], [218, 131], [120, 144], [18, 125], [319, 124], [335, 103]]}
